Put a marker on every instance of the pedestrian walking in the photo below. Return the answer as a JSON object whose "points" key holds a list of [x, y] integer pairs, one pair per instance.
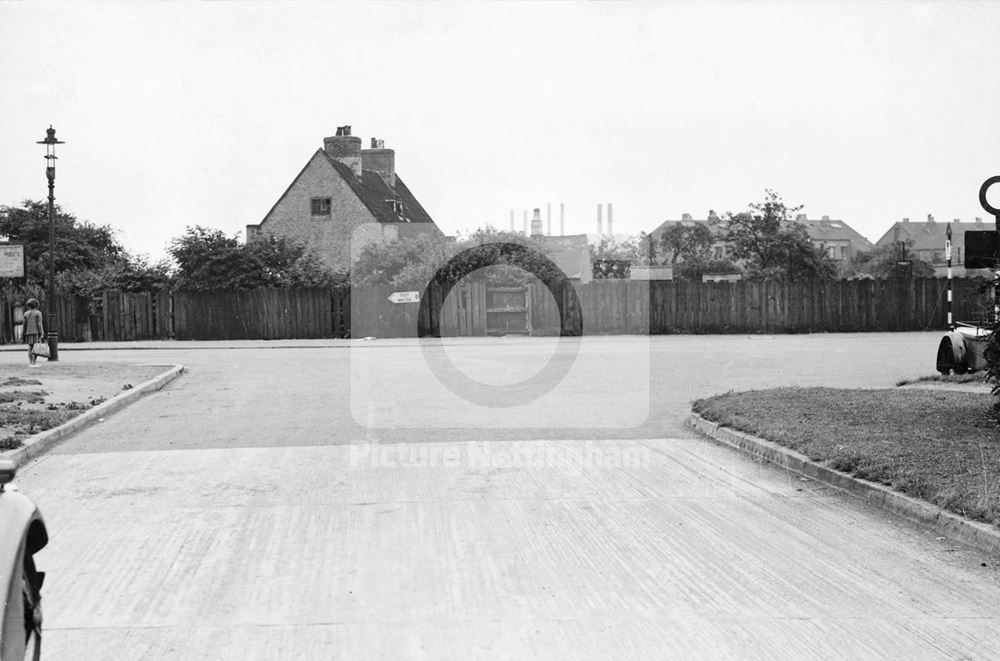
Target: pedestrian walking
{"points": [[34, 330]]}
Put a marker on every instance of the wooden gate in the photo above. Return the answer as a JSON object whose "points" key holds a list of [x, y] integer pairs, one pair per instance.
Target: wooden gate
{"points": [[508, 311]]}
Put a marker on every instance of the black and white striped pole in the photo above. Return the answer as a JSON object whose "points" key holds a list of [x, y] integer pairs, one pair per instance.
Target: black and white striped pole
{"points": [[947, 253], [996, 245]]}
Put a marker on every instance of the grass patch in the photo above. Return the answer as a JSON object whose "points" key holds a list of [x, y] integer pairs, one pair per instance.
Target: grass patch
{"points": [[976, 377], [18, 381], [25, 421], [27, 396], [939, 446]]}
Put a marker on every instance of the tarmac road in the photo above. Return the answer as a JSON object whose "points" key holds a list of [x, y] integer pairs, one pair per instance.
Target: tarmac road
{"points": [[322, 502]]}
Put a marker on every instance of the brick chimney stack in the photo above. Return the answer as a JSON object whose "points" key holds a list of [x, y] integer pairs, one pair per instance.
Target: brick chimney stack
{"points": [[345, 148], [600, 220], [381, 161]]}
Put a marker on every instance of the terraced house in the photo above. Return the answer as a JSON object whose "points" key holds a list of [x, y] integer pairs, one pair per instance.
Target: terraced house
{"points": [[344, 198]]}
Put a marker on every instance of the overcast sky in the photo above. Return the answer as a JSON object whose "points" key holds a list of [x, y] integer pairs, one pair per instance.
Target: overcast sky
{"points": [[178, 114]]}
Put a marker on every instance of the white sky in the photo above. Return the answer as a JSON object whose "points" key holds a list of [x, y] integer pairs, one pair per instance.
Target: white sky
{"points": [[177, 114]]}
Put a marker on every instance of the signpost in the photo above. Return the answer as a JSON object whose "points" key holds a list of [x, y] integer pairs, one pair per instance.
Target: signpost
{"points": [[405, 297], [11, 261]]}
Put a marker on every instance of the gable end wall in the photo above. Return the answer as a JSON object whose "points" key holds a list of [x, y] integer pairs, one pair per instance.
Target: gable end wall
{"points": [[328, 236]]}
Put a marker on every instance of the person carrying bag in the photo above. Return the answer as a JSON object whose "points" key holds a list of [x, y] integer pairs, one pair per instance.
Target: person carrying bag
{"points": [[34, 333]]}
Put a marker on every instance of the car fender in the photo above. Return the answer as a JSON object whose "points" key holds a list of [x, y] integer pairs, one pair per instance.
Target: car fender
{"points": [[22, 530], [951, 354]]}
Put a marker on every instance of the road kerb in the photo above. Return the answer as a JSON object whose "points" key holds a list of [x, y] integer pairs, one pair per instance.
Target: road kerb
{"points": [[981, 536], [39, 443]]}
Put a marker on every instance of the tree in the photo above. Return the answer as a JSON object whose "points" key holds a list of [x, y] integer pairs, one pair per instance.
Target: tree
{"points": [[613, 259], [79, 245], [131, 273], [686, 243], [208, 260], [773, 245], [501, 258], [880, 262], [403, 263], [694, 269], [89, 257]]}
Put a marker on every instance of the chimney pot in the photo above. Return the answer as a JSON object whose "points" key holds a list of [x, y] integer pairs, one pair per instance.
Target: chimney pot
{"points": [[930, 218]]}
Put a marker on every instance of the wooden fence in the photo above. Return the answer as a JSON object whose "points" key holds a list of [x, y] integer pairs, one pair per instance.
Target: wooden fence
{"points": [[259, 314], [658, 307], [126, 316], [598, 307]]}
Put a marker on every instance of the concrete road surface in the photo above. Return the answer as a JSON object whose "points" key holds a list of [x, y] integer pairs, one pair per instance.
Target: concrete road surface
{"points": [[262, 507]]}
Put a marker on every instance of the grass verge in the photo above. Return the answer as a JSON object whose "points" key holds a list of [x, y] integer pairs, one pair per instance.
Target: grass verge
{"points": [[20, 421], [939, 446], [975, 377], [35, 400]]}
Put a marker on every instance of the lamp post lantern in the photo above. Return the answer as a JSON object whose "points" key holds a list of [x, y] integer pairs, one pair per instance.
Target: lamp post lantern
{"points": [[50, 143]]}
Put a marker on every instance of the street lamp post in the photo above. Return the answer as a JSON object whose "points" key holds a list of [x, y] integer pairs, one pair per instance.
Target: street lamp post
{"points": [[50, 143]]}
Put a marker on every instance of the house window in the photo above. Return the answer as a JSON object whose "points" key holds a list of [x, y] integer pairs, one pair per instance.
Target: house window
{"points": [[396, 205], [321, 206]]}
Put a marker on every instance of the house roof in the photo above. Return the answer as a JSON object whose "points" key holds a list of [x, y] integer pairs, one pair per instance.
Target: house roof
{"points": [[373, 192], [667, 224], [930, 235], [835, 230], [570, 253]]}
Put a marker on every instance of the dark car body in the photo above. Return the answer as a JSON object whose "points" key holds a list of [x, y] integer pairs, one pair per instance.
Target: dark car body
{"points": [[22, 535]]}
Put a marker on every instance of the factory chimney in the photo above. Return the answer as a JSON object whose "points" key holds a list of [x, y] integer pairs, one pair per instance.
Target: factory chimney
{"points": [[536, 223]]}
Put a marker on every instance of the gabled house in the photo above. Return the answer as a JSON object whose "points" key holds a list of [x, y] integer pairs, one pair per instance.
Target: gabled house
{"points": [[927, 240], [835, 237], [344, 198]]}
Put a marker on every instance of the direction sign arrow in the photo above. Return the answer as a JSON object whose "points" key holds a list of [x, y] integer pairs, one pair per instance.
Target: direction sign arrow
{"points": [[405, 297]]}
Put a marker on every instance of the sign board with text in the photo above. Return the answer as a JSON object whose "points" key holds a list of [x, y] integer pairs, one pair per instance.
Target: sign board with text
{"points": [[11, 261], [405, 297]]}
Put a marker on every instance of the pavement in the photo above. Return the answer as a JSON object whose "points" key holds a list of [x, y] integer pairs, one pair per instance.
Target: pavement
{"points": [[260, 506]]}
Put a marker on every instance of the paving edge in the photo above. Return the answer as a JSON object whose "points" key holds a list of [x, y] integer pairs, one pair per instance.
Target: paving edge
{"points": [[39, 443], [978, 535]]}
